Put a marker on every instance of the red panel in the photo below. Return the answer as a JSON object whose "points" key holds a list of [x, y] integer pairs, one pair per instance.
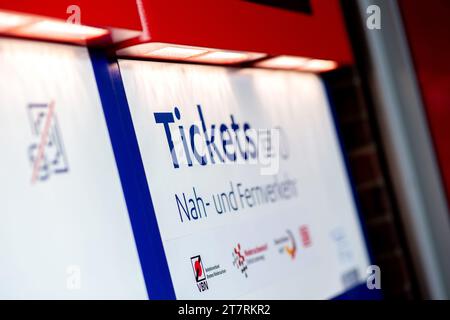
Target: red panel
{"points": [[243, 26], [98, 13], [428, 30]]}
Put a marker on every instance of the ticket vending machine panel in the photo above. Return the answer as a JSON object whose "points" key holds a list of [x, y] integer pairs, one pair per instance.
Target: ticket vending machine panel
{"points": [[65, 230], [247, 180]]}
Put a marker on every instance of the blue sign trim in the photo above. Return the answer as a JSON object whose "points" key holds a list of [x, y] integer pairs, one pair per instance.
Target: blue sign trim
{"points": [[132, 175], [360, 292]]}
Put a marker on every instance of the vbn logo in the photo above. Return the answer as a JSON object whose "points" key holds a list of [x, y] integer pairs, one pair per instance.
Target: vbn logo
{"points": [[199, 273]]}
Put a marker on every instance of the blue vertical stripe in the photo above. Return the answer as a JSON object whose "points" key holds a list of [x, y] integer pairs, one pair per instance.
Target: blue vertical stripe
{"points": [[132, 175]]}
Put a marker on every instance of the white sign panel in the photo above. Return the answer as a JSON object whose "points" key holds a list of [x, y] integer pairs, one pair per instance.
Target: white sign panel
{"points": [[247, 180], [64, 226]]}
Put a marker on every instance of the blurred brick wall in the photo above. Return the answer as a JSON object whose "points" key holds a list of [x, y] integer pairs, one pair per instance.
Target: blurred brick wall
{"points": [[358, 132]]}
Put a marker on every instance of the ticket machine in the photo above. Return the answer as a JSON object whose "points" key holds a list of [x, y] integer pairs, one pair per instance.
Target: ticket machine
{"points": [[182, 149]]}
